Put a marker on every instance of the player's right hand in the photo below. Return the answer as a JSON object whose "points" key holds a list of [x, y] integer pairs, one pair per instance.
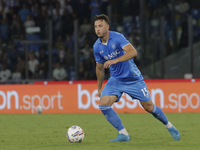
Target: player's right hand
{"points": [[99, 92]]}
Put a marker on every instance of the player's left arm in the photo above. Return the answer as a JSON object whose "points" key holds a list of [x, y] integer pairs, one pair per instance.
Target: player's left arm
{"points": [[130, 53]]}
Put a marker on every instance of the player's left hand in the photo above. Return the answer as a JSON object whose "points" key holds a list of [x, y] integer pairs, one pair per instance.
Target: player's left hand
{"points": [[108, 63]]}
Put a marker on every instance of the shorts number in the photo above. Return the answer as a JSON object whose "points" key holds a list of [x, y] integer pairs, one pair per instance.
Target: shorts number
{"points": [[145, 92]]}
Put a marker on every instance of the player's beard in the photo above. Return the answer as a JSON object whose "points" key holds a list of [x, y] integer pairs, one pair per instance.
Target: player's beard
{"points": [[103, 35]]}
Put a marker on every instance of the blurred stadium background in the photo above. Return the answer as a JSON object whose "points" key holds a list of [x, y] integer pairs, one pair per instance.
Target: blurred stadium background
{"points": [[52, 39]]}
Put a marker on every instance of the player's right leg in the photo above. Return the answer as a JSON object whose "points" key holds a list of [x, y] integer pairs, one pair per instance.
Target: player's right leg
{"points": [[112, 117], [111, 94]]}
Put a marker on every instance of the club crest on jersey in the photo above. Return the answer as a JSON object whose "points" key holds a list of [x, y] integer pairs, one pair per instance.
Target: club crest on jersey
{"points": [[113, 46]]}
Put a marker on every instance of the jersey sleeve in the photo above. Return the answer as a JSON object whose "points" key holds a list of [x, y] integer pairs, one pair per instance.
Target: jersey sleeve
{"points": [[97, 56], [122, 40]]}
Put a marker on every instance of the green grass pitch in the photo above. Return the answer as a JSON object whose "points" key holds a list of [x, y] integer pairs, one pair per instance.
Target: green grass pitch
{"points": [[48, 132]]}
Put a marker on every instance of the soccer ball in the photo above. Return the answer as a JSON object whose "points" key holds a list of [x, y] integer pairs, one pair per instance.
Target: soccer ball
{"points": [[75, 134], [39, 109]]}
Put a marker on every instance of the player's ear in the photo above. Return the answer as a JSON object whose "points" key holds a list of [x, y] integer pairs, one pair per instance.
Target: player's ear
{"points": [[108, 26]]}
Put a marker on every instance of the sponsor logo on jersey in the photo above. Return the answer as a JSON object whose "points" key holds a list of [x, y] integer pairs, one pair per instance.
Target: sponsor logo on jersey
{"points": [[106, 57], [114, 54]]}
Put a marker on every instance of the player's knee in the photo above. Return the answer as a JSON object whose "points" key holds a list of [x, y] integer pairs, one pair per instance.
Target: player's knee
{"points": [[148, 108], [104, 101], [108, 100]]}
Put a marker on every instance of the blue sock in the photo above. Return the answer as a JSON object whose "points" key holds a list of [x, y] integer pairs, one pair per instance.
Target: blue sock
{"points": [[159, 114], [112, 117]]}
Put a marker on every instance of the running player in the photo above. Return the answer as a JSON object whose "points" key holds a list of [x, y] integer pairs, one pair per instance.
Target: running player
{"points": [[113, 51]]}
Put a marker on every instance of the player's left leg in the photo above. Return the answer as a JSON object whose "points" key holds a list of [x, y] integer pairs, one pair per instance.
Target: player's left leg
{"points": [[159, 114], [140, 91]]}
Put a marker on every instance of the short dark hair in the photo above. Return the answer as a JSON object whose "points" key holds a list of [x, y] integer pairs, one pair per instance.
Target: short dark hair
{"points": [[102, 17]]}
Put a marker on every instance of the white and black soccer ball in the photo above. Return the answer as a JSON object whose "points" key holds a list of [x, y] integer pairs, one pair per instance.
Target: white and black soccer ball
{"points": [[39, 109], [75, 134]]}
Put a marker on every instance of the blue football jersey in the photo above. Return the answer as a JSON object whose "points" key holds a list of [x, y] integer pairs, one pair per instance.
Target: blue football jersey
{"points": [[124, 71]]}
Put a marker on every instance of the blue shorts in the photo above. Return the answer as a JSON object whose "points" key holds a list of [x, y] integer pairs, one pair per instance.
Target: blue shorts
{"points": [[137, 90]]}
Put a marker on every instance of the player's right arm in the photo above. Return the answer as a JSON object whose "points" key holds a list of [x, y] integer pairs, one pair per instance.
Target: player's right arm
{"points": [[100, 72]]}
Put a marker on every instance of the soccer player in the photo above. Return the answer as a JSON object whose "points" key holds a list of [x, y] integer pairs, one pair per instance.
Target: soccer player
{"points": [[112, 50]]}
